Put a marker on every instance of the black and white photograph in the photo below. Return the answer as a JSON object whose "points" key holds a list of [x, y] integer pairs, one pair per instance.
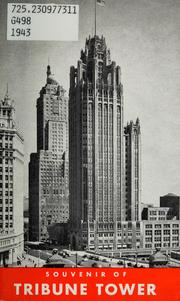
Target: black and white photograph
{"points": [[90, 133]]}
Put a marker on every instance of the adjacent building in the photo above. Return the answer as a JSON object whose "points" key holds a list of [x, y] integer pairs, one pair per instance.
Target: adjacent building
{"points": [[172, 201], [132, 135], [48, 168], [158, 214], [98, 202], [161, 225], [161, 234], [11, 184], [128, 236]]}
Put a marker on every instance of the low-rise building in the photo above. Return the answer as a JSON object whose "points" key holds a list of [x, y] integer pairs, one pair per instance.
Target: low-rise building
{"points": [[128, 236], [161, 234], [157, 214]]}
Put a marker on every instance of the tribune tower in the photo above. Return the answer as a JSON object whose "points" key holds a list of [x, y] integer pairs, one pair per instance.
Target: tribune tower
{"points": [[96, 144]]}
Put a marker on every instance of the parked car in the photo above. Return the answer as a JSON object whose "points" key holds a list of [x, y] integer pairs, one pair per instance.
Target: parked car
{"points": [[104, 260], [120, 262], [54, 251], [96, 258]]}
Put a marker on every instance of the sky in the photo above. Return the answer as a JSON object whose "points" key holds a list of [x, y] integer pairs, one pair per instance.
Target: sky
{"points": [[144, 39]]}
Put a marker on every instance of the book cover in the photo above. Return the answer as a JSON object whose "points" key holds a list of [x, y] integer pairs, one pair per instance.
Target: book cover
{"points": [[89, 150]]}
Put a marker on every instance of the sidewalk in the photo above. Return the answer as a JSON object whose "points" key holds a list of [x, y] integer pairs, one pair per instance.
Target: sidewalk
{"points": [[32, 261]]}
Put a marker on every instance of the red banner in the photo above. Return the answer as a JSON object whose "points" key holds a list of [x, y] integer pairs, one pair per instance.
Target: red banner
{"points": [[89, 284]]}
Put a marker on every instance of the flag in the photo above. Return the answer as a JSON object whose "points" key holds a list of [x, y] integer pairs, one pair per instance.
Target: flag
{"points": [[101, 2]]}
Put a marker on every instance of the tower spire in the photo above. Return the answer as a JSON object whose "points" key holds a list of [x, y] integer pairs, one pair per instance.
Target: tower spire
{"points": [[7, 91], [6, 97], [48, 69]]}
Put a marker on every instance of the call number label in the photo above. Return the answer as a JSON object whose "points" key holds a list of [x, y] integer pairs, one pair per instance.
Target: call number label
{"points": [[43, 22]]}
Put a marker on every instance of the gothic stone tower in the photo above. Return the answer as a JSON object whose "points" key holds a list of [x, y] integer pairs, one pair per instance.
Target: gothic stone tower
{"points": [[96, 156], [132, 135]]}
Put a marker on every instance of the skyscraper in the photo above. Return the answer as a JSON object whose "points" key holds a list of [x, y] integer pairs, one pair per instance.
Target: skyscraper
{"points": [[101, 197], [133, 171], [11, 184], [96, 146], [48, 168]]}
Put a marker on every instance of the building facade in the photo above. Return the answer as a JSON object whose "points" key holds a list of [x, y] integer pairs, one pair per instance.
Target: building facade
{"points": [[132, 135], [158, 214], [128, 236], [11, 185], [48, 168], [161, 234], [96, 147]]}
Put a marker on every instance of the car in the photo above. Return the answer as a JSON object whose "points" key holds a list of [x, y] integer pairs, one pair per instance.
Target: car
{"points": [[85, 259], [96, 258], [120, 262], [104, 260], [55, 251], [96, 265], [62, 254], [67, 253]]}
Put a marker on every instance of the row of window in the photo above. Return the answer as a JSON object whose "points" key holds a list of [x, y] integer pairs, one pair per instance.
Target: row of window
{"points": [[150, 226], [159, 245], [159, 232], [7, 193], [10, 138], [7, 169], [7, 217]]}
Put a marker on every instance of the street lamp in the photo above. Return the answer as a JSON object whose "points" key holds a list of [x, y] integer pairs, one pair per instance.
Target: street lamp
{"points": [[76, 259]]}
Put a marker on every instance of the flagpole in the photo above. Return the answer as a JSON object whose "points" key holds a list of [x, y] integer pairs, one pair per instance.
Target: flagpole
{"points": [[95, 18]]}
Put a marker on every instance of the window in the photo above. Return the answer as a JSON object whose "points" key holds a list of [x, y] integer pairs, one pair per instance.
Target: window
{"points": [[148, 239], [175, 226], [157, 232], [148, 232], [148, 226], [166, 225], [157, 239], [175, 238], [166, 232], [158, 245], [175, 231], [161, 213], [158, 226], [148, 245]]}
